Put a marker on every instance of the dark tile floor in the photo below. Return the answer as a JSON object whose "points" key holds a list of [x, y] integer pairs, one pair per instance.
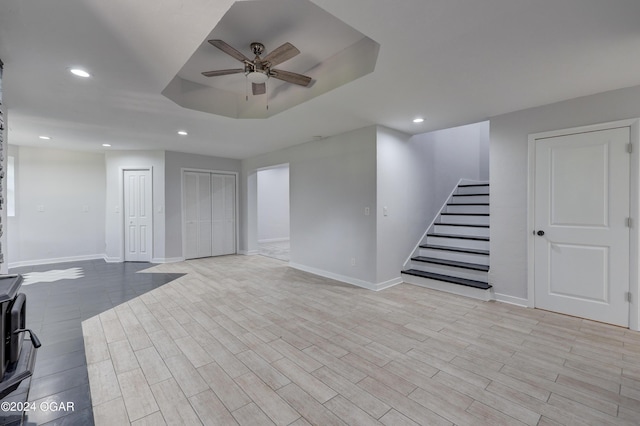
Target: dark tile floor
{"points": [[55, 311]]}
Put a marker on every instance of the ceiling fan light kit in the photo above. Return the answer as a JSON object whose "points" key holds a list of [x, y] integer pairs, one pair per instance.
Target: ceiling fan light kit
{"points": [[259, 70], [257, 77]]}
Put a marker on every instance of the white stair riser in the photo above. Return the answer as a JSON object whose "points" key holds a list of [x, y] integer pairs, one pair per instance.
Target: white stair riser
{"points": [[470, 199], [457, 242], [472, 190], [480, 259], [461, 230], [451, 208], [467, 220], [450, 271], [461, 290]]}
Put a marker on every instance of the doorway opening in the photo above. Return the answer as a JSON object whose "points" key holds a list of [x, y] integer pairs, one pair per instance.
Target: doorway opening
{"points": [[273, 212]]}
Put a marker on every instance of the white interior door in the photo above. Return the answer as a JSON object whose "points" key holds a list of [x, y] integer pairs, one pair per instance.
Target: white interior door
{"points": [[581, 247], [138, 213], [209, 214]]}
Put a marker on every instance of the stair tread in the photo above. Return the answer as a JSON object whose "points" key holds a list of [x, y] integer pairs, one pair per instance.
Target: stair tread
{"points": [[468, 225], [465, 185], [457, 249], [455, 280], [469, 195], [461, 237], [467, 204], [455, 263]]}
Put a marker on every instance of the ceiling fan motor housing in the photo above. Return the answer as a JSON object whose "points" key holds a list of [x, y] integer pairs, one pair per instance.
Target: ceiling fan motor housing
{"points": [[257, 48]]}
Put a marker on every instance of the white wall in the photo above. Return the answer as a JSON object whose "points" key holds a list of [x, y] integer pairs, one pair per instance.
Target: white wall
{"points": [[60, 206], [509, 175], [273, 204], [401, 182], [116, 162], [331, 182], [174, 163], [414, 178]]}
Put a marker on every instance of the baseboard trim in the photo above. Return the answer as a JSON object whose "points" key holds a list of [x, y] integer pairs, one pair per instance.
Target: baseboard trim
{"points": [[337, 277], [248, 252], [56, 260], [273, 240], [389, 283], [512, 300], [167, 260]]}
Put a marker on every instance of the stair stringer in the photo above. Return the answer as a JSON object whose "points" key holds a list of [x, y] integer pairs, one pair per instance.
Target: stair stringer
{"points": [[436, 284], [423, 239]]}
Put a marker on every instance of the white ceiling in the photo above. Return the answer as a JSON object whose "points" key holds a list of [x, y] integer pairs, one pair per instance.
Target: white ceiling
{"points": [[451, 61]]}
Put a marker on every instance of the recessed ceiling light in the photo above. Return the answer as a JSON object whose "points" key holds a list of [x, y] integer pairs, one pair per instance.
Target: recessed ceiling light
{"points": [[106, 144], [79, 72], [182, 133], [46, 138], [418, 120]]}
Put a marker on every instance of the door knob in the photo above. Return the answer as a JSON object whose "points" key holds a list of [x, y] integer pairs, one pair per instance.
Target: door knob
{"points": [[540, 233]]}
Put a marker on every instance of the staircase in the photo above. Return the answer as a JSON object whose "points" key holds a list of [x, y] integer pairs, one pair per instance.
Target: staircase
{"points": [[454, 254]]}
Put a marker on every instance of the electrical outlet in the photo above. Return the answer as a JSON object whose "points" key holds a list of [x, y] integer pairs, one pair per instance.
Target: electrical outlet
{"points": [[353, 261], [367, 211]]}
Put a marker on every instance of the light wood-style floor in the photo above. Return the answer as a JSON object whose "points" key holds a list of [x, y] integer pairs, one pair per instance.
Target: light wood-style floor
{"points": [[247, 340]]}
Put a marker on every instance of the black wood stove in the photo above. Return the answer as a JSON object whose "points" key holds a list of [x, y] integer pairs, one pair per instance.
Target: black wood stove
{"points": [[17, 354]]}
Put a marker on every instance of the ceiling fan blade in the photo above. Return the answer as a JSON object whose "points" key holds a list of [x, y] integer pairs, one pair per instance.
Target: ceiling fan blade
{"points": [[229, 50], [281, 54], [222, 72], [291, 77], [259, 88]]}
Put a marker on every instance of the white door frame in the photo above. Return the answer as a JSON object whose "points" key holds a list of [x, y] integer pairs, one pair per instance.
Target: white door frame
{"points": [[237, 197], [123, 226], [634, 214]]}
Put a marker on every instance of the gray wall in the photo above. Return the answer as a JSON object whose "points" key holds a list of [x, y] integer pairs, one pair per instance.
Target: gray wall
{"points": [[116, 162], [273, 204], [331, 182], [509, 174], [60, 206], [174, 163]]}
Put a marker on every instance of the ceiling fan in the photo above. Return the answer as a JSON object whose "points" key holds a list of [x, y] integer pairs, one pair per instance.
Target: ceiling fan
{"points": [[260, 69]]}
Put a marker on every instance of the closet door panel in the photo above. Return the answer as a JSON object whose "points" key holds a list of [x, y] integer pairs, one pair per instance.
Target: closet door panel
{"points": [[190, 215], [204, 215]]}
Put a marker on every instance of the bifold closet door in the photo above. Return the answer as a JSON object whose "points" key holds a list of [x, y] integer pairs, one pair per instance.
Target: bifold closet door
{"points": [[209, 214], [224, 214], [197, 214]]}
